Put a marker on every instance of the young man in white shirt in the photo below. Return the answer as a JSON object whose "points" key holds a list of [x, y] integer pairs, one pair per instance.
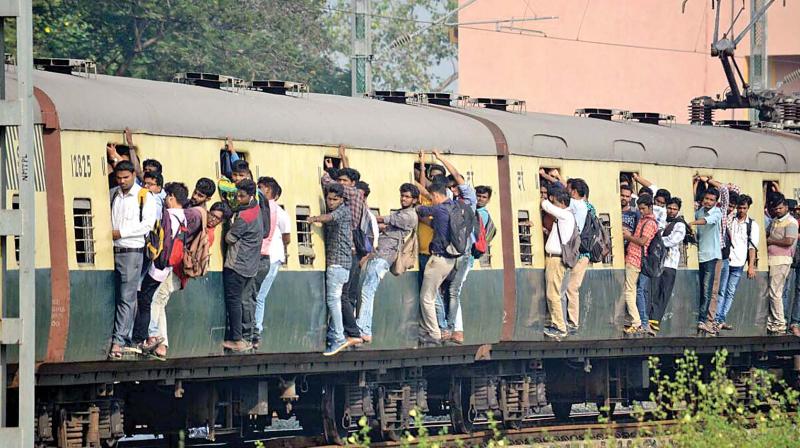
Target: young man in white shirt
{"points": [[556, 206], [133, 215], [580, 207], [672, 236]]}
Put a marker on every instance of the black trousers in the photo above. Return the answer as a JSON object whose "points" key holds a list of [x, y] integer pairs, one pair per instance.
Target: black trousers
{"points": [[238, 314], [144, 298], [661, 292], [351, 292]]}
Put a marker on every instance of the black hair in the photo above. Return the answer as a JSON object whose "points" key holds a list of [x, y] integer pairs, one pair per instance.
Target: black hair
{"points": [[553, 187], [744, 200], [483, 189], [206, 186], [439, 178], [773, 198], [411, 189], [124, 166], [152, 162], [560, 195], [438, 188], [350, 173], [336, 189], [156, 176], [580, 186], [363, 186], [222, 207], [646, 190], [625, 187], [273, 185], [675, 200], [645, 199], [713, 192], [248, 186], [663, 193], [240, 166], [179, 191], [733, 197], [123, 150], [451, 180]]}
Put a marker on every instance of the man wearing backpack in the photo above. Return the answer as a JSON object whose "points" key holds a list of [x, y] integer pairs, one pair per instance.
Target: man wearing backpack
{"points": [[133, 214], [394, 230], [557, 205], [673, 237], [440, 263], [580, 207], [638, 244], [176, 195], [744, 237]]}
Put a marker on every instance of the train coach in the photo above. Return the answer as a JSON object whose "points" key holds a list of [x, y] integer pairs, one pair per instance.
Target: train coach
{"points": [[505, 364]]}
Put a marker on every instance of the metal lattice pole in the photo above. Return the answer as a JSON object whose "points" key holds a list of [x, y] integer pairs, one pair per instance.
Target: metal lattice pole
{"points": [[361, 58], [758, 54]]}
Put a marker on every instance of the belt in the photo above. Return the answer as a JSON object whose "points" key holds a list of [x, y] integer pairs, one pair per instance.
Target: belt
{"points": [[552, 256], [126, 250]]}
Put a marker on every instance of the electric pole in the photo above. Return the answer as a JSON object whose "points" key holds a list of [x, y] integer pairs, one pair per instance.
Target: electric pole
{"points": [[361, 58], [759, 68]]}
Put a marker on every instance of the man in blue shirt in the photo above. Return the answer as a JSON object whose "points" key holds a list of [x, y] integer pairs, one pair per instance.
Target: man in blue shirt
{"points": [[708, 218]]}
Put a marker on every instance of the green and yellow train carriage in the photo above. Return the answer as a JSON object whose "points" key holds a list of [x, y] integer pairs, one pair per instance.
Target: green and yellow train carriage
{"points": [[287, 137]]}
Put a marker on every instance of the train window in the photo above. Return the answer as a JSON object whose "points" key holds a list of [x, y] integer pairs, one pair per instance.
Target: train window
{"points": [[486, 259], [605, 219], [83, 224], [15, 206], [305, 244], [375, 211], [524, 226], [337, 162]]}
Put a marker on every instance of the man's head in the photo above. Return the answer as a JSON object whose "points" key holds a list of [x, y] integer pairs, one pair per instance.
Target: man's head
{"points": [[124, 174], [203, 190], [662, 197], [270, 187], [543, 190], [153, 181], [334, 196], [733, 199], [645, 204], [363, 186], [219, 212], [435, 170], [177, 194], [245, 190], [452, 185], [710, 198], [409, 195], [743, 206], [674, 207], [577, 188], [151, 166], [239, 170], [780, 208], [438, 191], [483, 194], [559, 197], [792, 205], [645, 191], [124, 152], [348, 176], [625, 194]]}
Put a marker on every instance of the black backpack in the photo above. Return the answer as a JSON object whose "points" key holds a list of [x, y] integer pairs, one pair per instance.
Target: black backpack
{"points": [[462, 224], [653, 262], [595, 240]]}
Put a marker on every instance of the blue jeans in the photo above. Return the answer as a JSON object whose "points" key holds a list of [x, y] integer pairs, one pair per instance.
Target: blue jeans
{"points": [[335, 278], [727, 290], [450, 318], [261, 297], [791, 306], [708, 301], [373, 274], [643, 299]]}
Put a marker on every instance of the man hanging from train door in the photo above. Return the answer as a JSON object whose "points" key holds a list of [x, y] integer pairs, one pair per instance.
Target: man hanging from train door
{"points": [[556, 205], [580, 207], [638, 244]]}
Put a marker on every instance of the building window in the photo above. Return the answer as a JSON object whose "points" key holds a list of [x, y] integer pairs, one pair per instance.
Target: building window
{"points": [[305, 244], [525, 245], [605, 220], [83, 224]]}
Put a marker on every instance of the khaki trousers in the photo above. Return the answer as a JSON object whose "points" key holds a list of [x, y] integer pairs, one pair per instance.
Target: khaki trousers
{"points": [[631, 278], [777, 280], [437, 269], [573, 291], [554, 275]]}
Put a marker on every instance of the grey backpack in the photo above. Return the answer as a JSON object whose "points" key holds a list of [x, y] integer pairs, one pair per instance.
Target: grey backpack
{"points": [[571, 249]]}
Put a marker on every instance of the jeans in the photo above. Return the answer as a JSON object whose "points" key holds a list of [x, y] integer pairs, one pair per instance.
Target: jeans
{"points": [[709, 285], [791, 306], [127, 269], [236, 288], [373, 274], [726, 294], [449, 318], [144, 299], [335, 279], [643, 298], [350, 296], [263, 291]]}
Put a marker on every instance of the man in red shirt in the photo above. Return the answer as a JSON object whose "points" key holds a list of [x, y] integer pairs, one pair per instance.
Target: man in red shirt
{"points": [[645, 232]]}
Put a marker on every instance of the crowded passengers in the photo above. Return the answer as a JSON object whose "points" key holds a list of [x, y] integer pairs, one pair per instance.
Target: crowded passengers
{"points": [[163, 236]]}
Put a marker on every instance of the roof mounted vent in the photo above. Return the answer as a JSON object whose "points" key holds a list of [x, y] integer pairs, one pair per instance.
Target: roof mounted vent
{"points": [[391, 96], [277, 87], [437, 98], [210, 80], [700, 113], [735, 124], [650, 117], [66, 66], [600, 113], [504, 104]]}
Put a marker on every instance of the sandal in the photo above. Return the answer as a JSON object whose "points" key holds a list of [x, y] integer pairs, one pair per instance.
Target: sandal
{"points": [[151, 343], [115, 354]]}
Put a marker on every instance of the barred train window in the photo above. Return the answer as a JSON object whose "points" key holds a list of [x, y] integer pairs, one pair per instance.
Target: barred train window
{"points": [[84, 230], [486, 259], [305, 245], [605, 219], [525, 244]]}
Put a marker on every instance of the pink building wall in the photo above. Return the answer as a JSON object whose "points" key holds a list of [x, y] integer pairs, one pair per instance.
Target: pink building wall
{"points": [[639, 55]]}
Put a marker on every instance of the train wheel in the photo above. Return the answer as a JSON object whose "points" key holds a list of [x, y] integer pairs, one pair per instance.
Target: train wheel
{"points": [[332, 410], [459, 406], [561, 409]]}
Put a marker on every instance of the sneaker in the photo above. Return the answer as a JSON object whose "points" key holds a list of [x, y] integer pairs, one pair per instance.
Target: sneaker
{"points": [[151, 343], [655, 325], [572, 330], [457, 337], [237, 346], [335, 349], [555, 333], [776, 332], [795, 330]]}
